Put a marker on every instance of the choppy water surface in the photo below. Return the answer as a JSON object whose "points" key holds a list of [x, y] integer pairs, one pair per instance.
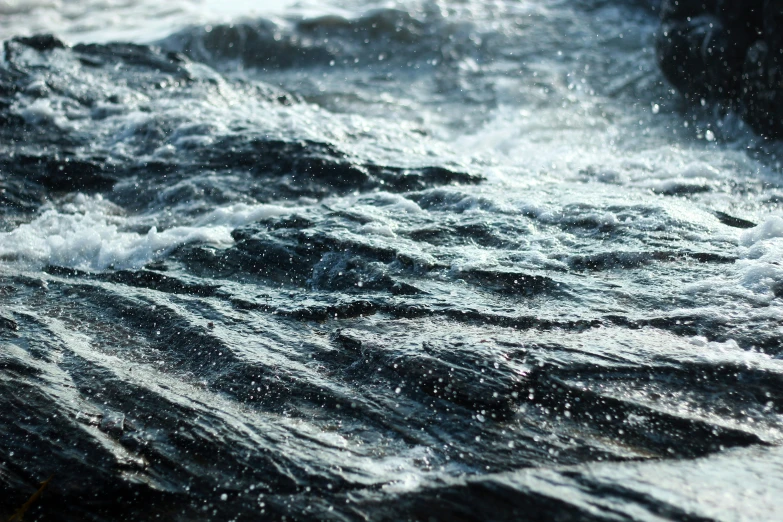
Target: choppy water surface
{"points": [[430, 260]]}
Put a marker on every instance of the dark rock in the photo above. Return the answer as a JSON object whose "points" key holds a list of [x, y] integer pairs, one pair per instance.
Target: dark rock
{"points": [[156, 281], [113, 424], [40, 42], [39, 158], [732, 221], [506, 282], [6, 323], [726, 52]]}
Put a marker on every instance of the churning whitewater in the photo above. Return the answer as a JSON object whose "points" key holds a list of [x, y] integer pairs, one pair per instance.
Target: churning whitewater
{"points": [[423, 260]]}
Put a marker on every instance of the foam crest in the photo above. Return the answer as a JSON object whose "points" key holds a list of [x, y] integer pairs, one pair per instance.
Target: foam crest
{"points": [[771, 228], [90, 233], [761, 249]]}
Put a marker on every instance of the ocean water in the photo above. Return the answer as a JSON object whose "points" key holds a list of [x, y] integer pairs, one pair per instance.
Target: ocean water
{"points": [[416, 260]]}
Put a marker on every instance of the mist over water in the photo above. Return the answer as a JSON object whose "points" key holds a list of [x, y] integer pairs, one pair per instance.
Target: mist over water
{"points": [[415, 260]]}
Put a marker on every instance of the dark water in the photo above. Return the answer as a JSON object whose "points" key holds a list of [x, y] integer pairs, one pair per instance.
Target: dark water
{"points": [[439, 262]]}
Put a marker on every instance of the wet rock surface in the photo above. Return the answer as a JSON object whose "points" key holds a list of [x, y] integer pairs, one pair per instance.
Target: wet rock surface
{"points": [[727, 52]]}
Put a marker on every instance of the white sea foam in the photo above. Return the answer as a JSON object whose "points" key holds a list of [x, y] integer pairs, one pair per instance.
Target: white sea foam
{"points": [[772, 228], [377, 229], [397, 203], [757, 275], [239, 214], [91, 233], [701, 170], [134, 20], [15, 7], [761, 263]]}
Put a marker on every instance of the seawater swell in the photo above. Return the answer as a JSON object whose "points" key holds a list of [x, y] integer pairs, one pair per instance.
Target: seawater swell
{"points": [[228, 313]]}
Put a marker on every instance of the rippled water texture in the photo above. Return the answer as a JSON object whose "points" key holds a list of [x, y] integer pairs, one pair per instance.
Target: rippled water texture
{"points": [[429, 261]]}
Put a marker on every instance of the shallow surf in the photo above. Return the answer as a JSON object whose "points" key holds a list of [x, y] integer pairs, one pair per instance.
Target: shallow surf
{"points": [[425, 260]]}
